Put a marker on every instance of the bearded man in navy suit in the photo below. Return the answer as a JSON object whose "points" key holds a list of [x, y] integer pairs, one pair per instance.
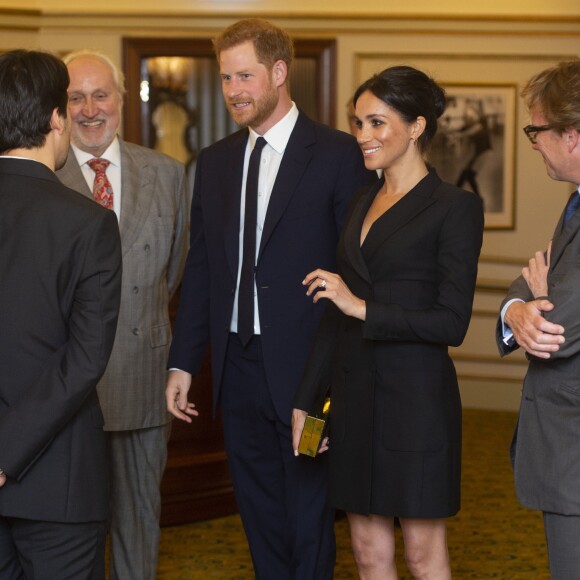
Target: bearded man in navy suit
{"points": [[307, 175]]}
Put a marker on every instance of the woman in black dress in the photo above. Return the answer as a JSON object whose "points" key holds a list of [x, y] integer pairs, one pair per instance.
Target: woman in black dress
{"points": [[407, 266]]}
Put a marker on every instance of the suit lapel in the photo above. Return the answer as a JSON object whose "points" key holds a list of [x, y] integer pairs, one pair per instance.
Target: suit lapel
{"points": [[232, 194], [72, 176], [295, 160], [563, 235], [137, 183]]}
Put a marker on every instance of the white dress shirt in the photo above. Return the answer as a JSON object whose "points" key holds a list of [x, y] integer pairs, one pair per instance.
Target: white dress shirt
{"points": [[277, 139]]}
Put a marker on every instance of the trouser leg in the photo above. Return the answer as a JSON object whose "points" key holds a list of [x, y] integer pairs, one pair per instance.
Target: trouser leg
{"points": [[138, 460], [53, 550], [282, 499], [563, 539]]}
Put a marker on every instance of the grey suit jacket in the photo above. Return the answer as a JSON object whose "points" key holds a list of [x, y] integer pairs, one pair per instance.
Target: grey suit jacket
{"points": [[153, 225], [546, 445]]}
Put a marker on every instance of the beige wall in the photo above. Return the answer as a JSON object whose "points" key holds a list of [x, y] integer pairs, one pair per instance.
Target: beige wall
{"points": [[336, 7], [459, 49]]}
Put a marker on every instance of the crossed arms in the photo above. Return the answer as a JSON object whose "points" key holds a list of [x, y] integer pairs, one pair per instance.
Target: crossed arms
{"points": [[525, 311]]}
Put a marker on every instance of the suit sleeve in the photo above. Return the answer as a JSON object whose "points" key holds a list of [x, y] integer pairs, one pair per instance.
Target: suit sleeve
{"points": [[518, 290], [564, 295], [191, 333], [179, 249], [316, 377], [447, 320], [72, 372], [317, 373]]}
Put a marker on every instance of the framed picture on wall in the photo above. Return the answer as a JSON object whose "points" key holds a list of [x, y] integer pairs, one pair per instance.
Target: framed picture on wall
{"points": [[474, 146]]}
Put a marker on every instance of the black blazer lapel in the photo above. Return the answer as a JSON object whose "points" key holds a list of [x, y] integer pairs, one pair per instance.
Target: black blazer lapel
{"points": [[231, 190], [294, 162], [353, 229], [397, 217]]}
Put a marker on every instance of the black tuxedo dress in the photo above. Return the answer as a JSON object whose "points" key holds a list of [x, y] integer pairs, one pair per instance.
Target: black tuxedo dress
{"points": [[395, 427]]}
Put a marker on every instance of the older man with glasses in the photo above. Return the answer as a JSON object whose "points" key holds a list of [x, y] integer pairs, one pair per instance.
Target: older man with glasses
{"points": [[541, 314]]}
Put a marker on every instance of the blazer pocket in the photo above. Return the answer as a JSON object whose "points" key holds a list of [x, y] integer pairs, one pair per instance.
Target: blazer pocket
{"points": [[571, 388], [160, 335]]}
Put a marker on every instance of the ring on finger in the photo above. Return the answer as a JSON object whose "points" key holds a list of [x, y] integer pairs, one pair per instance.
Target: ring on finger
{"points": [[323, 284]]}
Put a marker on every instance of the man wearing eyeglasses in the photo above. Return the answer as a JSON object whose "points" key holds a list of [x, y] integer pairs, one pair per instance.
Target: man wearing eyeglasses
{"points": [[541, 314]]}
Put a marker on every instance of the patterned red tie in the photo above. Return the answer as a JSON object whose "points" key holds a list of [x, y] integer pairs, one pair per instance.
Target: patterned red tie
{"points": [[102, 190]]}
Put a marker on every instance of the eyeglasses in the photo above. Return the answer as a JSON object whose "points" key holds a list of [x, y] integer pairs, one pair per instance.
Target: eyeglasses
{"points": [[532, 131]]}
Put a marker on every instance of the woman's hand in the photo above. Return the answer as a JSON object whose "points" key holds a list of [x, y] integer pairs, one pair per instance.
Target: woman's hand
{"points": [[332, 286]]}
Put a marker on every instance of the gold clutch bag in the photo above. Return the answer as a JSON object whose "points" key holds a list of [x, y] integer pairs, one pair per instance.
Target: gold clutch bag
{"points": [[314, 431]]}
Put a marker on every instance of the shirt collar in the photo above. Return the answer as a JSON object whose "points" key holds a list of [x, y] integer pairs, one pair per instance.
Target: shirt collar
{"points": [[17, 157], [112, 154], [279, 135]]}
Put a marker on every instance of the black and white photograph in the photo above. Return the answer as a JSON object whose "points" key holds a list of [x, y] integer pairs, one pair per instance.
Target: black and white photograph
{"points": [[474, 147]]}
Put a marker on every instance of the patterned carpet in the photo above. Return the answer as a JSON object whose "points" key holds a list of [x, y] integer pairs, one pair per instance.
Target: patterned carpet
{"points": [[492, 537]]}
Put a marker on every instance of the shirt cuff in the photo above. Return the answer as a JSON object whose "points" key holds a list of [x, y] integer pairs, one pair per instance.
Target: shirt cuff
{"points": [[507, 334]]}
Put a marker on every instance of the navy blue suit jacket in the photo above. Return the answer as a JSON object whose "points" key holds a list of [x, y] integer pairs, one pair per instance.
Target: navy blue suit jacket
{"points": [[320, 171]]}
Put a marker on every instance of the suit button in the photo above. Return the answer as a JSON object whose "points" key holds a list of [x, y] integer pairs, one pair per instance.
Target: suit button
{"points": [[146, 247], [136, 332], [135, 289]]}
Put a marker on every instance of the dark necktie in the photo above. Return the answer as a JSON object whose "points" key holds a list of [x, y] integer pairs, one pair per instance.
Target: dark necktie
{"points": [[246, 290], [572, 206], [102, 190]]}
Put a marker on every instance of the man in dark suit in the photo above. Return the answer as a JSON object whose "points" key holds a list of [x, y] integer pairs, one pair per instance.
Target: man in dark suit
{"points": [[60, 267], [541, 314], [244, 293], [150, 199]]}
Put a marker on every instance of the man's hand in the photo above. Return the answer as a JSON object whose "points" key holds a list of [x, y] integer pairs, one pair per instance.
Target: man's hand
{"points": [[536, 335], [2, 478], [536, 273], [178, 384]]}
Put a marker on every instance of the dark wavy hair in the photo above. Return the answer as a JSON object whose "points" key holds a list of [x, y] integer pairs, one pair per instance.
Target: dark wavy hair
{"points": [[32, 85], [411, 93]]}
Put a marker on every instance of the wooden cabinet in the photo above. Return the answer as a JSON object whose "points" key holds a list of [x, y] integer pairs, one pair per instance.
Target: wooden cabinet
{"points": [[196, 485]]}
